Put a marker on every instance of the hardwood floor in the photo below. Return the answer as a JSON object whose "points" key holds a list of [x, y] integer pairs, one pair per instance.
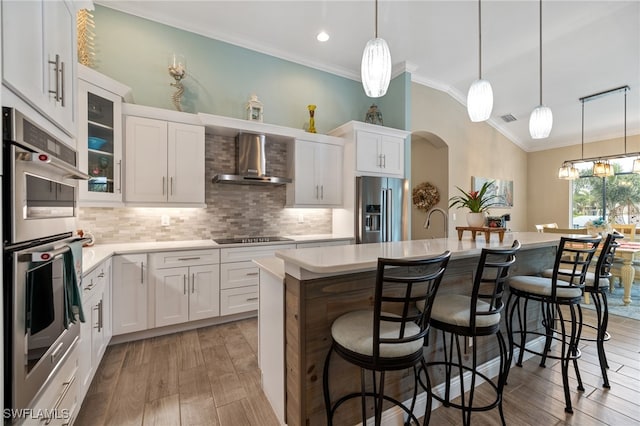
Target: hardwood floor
{"points": [[210, 376]]}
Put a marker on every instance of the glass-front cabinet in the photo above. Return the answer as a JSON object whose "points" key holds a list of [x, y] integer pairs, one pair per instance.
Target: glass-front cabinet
{"points": [[100, 142]]}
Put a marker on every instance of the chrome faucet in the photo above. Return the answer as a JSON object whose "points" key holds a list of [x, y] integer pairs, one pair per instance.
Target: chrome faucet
{"points": [[445, 215]]}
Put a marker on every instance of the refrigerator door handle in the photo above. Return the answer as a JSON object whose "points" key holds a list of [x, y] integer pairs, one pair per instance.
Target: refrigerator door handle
{"points": [[389, 212], [383, 215]]}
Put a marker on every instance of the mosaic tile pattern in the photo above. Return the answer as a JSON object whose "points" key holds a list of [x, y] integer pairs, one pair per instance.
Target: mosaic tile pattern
{"points": [[232, 210]]}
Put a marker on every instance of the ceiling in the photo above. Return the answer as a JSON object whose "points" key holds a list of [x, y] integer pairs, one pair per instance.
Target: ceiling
{"points": [[587, 47]]}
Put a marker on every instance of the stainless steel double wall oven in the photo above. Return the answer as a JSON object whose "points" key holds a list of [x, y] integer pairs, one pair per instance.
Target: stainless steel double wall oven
{"points": [[39, 197]]}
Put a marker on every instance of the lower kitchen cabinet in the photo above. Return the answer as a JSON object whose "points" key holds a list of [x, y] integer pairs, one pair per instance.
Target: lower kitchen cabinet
{"points": [[186, 286], [239, 277], [60, 401], [96, 331], [129, 293]]}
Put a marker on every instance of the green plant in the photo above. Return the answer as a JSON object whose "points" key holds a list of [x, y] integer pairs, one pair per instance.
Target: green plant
{"points": [[475, 201]]}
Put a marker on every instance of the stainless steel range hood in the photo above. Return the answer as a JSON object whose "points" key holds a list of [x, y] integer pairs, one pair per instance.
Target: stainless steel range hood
{"points": [[251, 163]]}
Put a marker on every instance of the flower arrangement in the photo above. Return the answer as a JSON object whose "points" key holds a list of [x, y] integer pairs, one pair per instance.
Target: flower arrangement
{"points": [[425, 196], [475, 201], [597, 226]]}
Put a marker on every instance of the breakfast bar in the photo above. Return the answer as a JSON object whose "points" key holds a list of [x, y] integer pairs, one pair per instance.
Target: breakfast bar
{"points": [[321, 284]]}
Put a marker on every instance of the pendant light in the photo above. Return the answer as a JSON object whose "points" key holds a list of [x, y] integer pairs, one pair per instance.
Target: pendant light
{"points": [[480, 95], [541, 119], [376, 64]]}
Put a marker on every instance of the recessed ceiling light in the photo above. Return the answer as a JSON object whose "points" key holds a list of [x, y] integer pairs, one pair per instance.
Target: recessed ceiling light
{"points": [[322, 36]]}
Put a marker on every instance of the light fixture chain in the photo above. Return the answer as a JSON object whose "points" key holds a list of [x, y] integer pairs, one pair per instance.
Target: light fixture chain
{"points": [[582, 155], [625, 120]]}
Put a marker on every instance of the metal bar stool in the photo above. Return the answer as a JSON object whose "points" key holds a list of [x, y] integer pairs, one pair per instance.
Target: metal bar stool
{"points": [[563, 289], [597, 285], [470, 317], [389, 337]]}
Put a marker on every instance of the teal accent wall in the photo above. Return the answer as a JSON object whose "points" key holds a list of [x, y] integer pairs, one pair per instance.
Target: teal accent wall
{"points": [[221, 77]]}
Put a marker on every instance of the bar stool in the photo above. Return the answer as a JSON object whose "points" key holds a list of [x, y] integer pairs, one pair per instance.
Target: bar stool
{"points": [[563, 289], [389, 337], [597, 286], [471, 317]]}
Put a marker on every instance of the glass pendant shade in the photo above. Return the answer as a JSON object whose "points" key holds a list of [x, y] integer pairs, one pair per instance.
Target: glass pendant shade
{"points": [[540, 122], [376, 68], [568, 172], [636, 166], [602, 168], [480, 100]]}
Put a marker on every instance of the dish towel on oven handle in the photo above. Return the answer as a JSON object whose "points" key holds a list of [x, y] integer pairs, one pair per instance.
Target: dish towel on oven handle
{"points": [[72, 279]]}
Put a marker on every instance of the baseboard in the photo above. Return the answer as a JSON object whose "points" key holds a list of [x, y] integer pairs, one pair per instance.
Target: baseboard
{"points": [[395, 416]]}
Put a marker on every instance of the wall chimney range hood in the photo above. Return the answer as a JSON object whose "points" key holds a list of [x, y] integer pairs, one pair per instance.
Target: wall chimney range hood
{"points": [[250, 163]]}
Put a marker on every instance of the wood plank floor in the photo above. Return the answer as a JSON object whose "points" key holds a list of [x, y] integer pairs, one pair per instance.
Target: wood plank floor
{"points": [[210, 376]]}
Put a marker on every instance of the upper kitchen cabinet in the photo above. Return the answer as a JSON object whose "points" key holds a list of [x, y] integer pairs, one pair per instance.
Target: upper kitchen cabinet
{"points": [[164, 159], [373, 150], [100, 137], [39, 57], [317, 175]]}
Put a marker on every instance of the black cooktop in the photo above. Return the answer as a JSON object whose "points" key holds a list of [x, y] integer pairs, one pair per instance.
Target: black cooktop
{"points": [[250, 240]]}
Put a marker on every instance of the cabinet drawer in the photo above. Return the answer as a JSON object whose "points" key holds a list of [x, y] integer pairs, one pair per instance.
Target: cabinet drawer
{"points": [[60, 397], [240, 254], [236, 300], [95, 280], [239, 274], [184, 258]]}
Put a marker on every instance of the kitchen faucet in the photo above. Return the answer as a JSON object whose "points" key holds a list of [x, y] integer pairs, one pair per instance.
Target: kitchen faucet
{"points": [[427, 224]]}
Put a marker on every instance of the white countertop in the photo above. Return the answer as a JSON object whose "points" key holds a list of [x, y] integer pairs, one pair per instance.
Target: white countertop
{"points": [[92, 256], [308, 263], [272, 265]]}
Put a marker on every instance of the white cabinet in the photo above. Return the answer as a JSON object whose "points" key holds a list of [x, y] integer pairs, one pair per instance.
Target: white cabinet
{"points": [[100, 138], [379, 153], [372, 150], [164, 162], [39, 57], [60, 401], [186, 286], [317, 175], [239, 277], [129, 293]]}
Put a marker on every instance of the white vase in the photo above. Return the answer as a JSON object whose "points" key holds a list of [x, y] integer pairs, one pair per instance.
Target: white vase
{"points": [[475, 220]]}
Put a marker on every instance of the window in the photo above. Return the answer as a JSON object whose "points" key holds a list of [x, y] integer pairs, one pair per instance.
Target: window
{"points": [[615, 198]]}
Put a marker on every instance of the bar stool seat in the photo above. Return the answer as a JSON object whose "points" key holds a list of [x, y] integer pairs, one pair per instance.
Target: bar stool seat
{"points": [[389, 337], [542, 286], [353, 331], [455, 309]]}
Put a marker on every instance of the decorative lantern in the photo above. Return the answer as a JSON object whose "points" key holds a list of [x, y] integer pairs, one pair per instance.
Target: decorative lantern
{"points": [[254, 109]]}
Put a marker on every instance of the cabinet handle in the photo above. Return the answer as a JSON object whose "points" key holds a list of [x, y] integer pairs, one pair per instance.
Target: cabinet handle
{"points": [[193, 282], [189, 258], [62, 102], [120, 176], [163, 179], [56, 68], [384, 161], [142, 273], [184, 284], [251, 299], [316, 192], [171, 185], [322, 192], [100, 315], [250, 274], [67, 386]]}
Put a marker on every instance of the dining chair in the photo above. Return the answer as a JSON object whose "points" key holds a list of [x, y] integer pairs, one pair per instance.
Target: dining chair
{"points": [[629, 231], [540, 228]]}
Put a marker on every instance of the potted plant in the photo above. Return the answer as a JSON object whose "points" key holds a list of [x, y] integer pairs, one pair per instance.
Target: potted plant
{"points": [[477, 202]]}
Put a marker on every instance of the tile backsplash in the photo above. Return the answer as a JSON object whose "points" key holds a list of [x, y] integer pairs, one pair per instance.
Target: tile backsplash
{"points": [[232, 210]]}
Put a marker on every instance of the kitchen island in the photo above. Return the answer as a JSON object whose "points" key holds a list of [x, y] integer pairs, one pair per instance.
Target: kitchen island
{"points": [[320, 284]]}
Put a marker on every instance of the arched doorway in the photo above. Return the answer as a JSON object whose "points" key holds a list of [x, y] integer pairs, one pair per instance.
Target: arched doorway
{"points": [[429, 163]]}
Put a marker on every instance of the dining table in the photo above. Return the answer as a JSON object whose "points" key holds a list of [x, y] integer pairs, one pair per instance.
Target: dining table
{"points": [[627, 253]]}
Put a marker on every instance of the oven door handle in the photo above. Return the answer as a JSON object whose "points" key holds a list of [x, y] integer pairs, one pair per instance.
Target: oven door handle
{"points": [[43, 157], [46, 256]]}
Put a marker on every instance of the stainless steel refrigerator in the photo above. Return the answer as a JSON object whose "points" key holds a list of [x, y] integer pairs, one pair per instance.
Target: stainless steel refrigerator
{"points": [[381, 212]]}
